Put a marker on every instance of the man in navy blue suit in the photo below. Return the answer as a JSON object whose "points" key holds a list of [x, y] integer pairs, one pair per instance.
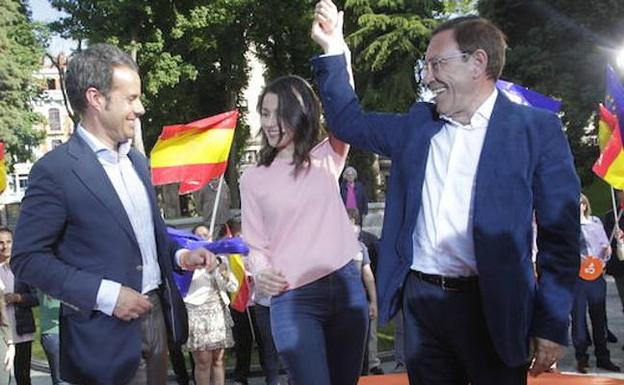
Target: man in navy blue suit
{"points": [[91, 235], [468, 172]]}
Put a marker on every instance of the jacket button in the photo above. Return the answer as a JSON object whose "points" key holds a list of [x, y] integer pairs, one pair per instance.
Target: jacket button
{"points": [[139, 268]]}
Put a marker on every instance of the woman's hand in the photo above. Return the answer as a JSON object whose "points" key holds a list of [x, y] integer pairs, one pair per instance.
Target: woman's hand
{"points": [[271, 281], [9, 357]]}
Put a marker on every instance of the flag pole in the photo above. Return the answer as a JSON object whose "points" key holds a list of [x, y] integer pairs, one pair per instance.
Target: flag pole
{"points": [[616, 215], [215, 206]]}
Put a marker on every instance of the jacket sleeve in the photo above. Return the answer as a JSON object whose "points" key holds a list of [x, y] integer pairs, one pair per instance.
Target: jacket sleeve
{"points": [[375, 132], [556, 192], [40, 227]]}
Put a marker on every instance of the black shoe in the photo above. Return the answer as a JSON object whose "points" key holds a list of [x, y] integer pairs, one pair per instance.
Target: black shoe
{"points": [[376, 370], [611, 337], [608, 365], [582, 367], [400, 367]]}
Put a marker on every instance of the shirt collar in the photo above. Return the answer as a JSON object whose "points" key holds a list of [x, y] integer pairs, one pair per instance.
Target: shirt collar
{"points": [[100, 150], [585, 220], [481, 117]]}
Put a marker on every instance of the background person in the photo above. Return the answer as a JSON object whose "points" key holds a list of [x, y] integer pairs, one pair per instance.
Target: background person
{"points": [[19, 299], [591, 295], [7, 349], [353, 193]]}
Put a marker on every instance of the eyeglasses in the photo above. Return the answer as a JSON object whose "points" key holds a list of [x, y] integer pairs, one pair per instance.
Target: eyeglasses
{"points": [[422, 67]]}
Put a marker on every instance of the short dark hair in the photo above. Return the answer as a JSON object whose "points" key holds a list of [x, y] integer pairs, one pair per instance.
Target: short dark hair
{"points": [[298, 108], [473, 33], [4, 229], [93, 67]]}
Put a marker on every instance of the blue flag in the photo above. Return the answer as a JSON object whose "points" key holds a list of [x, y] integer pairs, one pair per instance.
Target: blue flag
{"points": [[521, 95], [614, 95]]}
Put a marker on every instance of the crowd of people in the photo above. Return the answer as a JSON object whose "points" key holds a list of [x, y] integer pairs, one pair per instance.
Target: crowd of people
{"points": [[483, 204]]}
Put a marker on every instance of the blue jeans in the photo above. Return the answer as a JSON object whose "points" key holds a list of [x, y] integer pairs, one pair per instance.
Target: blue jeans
{"points": [[320, 329], [50, 344], [268, 354]]}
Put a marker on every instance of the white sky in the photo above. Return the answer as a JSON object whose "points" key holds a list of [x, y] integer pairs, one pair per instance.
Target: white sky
{"points": [[43, 11]]}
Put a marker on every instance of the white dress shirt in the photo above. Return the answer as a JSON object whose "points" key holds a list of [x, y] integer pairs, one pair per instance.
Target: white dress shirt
{"points": [[443, 237], [135, 200]]}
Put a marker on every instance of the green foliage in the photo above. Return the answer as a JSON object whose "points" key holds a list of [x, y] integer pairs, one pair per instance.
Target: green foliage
{"points": [[560, 48], [191, 54], [280, 32], [20, 55], [387, 37]]}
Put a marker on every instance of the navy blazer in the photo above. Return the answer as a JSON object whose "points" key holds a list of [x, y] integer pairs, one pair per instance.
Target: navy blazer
{"points": [[71, 233], [24, 320], [525, 165]]}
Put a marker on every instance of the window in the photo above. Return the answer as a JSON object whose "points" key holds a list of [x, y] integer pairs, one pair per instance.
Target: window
{"points": [[51, 84], [54, 118], [22, 182]]}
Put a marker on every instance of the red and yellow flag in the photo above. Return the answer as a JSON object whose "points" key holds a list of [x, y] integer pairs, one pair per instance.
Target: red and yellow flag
{"points": [[3, 178], [610, 164], [240, 297], [194, 153]]}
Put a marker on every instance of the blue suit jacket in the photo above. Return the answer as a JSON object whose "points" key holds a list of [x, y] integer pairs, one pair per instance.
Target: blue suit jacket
{"points": [[72, 232], [525, 165]]}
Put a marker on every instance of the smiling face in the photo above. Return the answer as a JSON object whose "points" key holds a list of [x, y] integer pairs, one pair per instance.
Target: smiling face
{"points": [[121, 107], [278, 137], [453, 83], [6, 243]]}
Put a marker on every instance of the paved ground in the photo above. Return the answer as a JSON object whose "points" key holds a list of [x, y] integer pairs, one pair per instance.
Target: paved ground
{"points": [[567, 364]]}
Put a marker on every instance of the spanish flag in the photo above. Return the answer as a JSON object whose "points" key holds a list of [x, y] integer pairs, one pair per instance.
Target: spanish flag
{"points": [[240, 297], [610, 164], [3, 179], [193, 153]]}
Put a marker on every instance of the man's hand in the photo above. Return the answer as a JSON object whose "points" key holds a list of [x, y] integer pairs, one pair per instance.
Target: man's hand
{"points": [[131, 304], [327, 27], [271, 281], [197, 259], [546, 354], [12, 298]]}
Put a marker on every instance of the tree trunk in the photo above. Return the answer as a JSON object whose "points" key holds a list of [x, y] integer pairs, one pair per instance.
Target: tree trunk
{"points": [[171, 200]]}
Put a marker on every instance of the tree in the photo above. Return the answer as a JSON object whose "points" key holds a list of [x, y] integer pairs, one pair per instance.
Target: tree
{"points": [[560, 48], [20, 56], [191, 56], [386, 38]]}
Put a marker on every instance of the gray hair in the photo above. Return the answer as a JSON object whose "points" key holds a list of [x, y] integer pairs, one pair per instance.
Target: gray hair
{"points": [[350, 169], [93, 67]]}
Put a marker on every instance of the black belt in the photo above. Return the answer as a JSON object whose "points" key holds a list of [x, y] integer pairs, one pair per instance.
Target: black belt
{"points": [[449, 283]]}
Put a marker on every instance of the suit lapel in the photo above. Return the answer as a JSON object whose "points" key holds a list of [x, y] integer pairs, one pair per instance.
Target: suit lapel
{"points": [[493, 157], [92, 175]]}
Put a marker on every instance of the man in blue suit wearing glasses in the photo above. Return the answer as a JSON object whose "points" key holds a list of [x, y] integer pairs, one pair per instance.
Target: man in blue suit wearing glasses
{"points": [[468, 172]]}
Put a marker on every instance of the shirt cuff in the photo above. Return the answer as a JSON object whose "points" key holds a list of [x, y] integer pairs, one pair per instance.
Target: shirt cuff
{"points": [[107, 296], [178, 255]]}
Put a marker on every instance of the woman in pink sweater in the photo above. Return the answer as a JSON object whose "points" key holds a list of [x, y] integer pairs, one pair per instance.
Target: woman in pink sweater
{"points": [[302, 244]]}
